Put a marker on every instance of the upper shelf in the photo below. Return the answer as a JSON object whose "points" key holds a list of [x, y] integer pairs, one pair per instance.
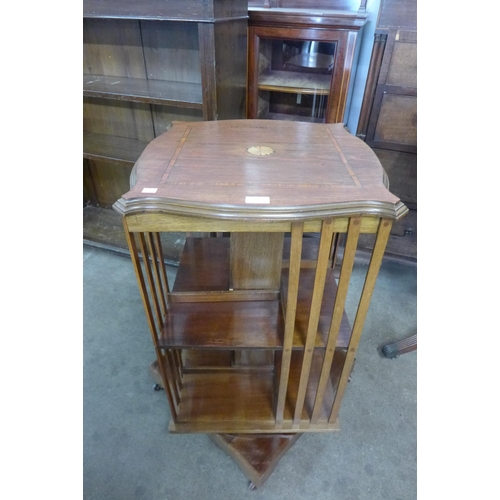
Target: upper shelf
{"points": [[142, 90], [295, 82], [171, 10]]}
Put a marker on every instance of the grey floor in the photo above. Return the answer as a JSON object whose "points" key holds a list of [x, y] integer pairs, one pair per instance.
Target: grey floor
{"points": [[129, 454]]}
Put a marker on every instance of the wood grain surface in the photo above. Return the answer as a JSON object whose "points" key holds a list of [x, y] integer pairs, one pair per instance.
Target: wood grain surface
{"points": [[204, 168]]}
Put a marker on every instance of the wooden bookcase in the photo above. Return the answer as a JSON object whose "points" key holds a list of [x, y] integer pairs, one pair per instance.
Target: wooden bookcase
{"points": [[252, 338], [147, 64]]}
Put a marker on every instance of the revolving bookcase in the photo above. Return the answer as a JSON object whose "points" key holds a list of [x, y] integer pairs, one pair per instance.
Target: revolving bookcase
{"points": [[253, 346]]}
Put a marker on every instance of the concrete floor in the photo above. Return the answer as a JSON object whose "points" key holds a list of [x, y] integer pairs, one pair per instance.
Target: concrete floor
{"points": [[129, 454]]}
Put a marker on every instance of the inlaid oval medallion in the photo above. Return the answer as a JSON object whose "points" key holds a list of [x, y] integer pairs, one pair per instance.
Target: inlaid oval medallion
{"points": [[260, 150]]}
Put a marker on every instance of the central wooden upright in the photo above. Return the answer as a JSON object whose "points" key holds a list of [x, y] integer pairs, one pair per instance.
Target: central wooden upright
{"points": [[252, 338]]}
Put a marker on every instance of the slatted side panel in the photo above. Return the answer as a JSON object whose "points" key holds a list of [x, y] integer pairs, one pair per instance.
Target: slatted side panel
{"points": [[291, 306], [338, 310], [321, 386], [312, 328], [148, 262], [308, 395], [383, 234]]}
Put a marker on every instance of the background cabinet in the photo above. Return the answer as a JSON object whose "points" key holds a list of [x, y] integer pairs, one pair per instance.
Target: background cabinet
{"points": [[146, 64], [300, 61], [388, 120]]}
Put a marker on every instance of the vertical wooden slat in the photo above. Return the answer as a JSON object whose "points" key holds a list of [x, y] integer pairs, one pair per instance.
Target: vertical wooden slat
{"points": [[173, 400], [161, 263], [160, 300], [335, 249], [364, 302], [156, 275], [180, 366], [149, 313], [173, 375], [169, 380], [338, 310], [312, 327], [150, 279], [141, 282], [165, 290], [291, 307]]}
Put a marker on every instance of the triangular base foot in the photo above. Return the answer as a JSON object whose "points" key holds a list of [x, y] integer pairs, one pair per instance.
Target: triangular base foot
{"points": [[256, 454]]}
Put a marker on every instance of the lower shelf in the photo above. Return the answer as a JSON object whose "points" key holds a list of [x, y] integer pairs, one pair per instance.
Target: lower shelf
{"points": [[107, 147], [236, 401]]}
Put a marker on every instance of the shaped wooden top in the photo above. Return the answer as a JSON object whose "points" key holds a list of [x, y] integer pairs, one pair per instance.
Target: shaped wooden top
{"points": [[259, 169]]}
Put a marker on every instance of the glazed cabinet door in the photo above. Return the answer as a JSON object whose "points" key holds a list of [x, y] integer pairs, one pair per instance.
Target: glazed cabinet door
{"points": [[299, 74]]}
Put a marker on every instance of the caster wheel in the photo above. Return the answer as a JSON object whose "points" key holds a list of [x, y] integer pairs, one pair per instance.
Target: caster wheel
{"points": [[157, 387]]}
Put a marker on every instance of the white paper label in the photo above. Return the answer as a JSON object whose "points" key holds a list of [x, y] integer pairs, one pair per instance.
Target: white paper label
{"points": [[149, 190], [258, 199]]}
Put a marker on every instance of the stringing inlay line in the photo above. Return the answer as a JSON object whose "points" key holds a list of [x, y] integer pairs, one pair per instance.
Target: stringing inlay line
{"points": [[176, 154], [344, 159]]}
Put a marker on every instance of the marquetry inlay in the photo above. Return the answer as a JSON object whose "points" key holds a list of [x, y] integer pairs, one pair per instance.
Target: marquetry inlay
{"points": [[260, 150]]}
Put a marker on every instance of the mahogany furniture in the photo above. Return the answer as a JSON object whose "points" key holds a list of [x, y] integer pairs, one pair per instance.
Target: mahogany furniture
{"points": [[252, 342], [300, 60], [146, 64]]}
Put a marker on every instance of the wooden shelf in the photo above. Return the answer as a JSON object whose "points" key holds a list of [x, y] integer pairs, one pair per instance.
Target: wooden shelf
{"points": [[203, 313], [223, 325], [181, 94], [295, 82], [194, 274], [306, 284], [198, 251], [237, 324], [291, 118], [242, 401], [107, 147]]}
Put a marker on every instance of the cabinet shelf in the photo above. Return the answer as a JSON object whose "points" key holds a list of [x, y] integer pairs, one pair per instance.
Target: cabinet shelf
{"points": [[107, 147], [295, 82], [213, 317], [181, 94], [290, 118], [223, 325], [236, 401]]}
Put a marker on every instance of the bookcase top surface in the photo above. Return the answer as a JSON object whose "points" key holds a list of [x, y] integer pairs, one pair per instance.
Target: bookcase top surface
{"points": [[262, 169]]}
